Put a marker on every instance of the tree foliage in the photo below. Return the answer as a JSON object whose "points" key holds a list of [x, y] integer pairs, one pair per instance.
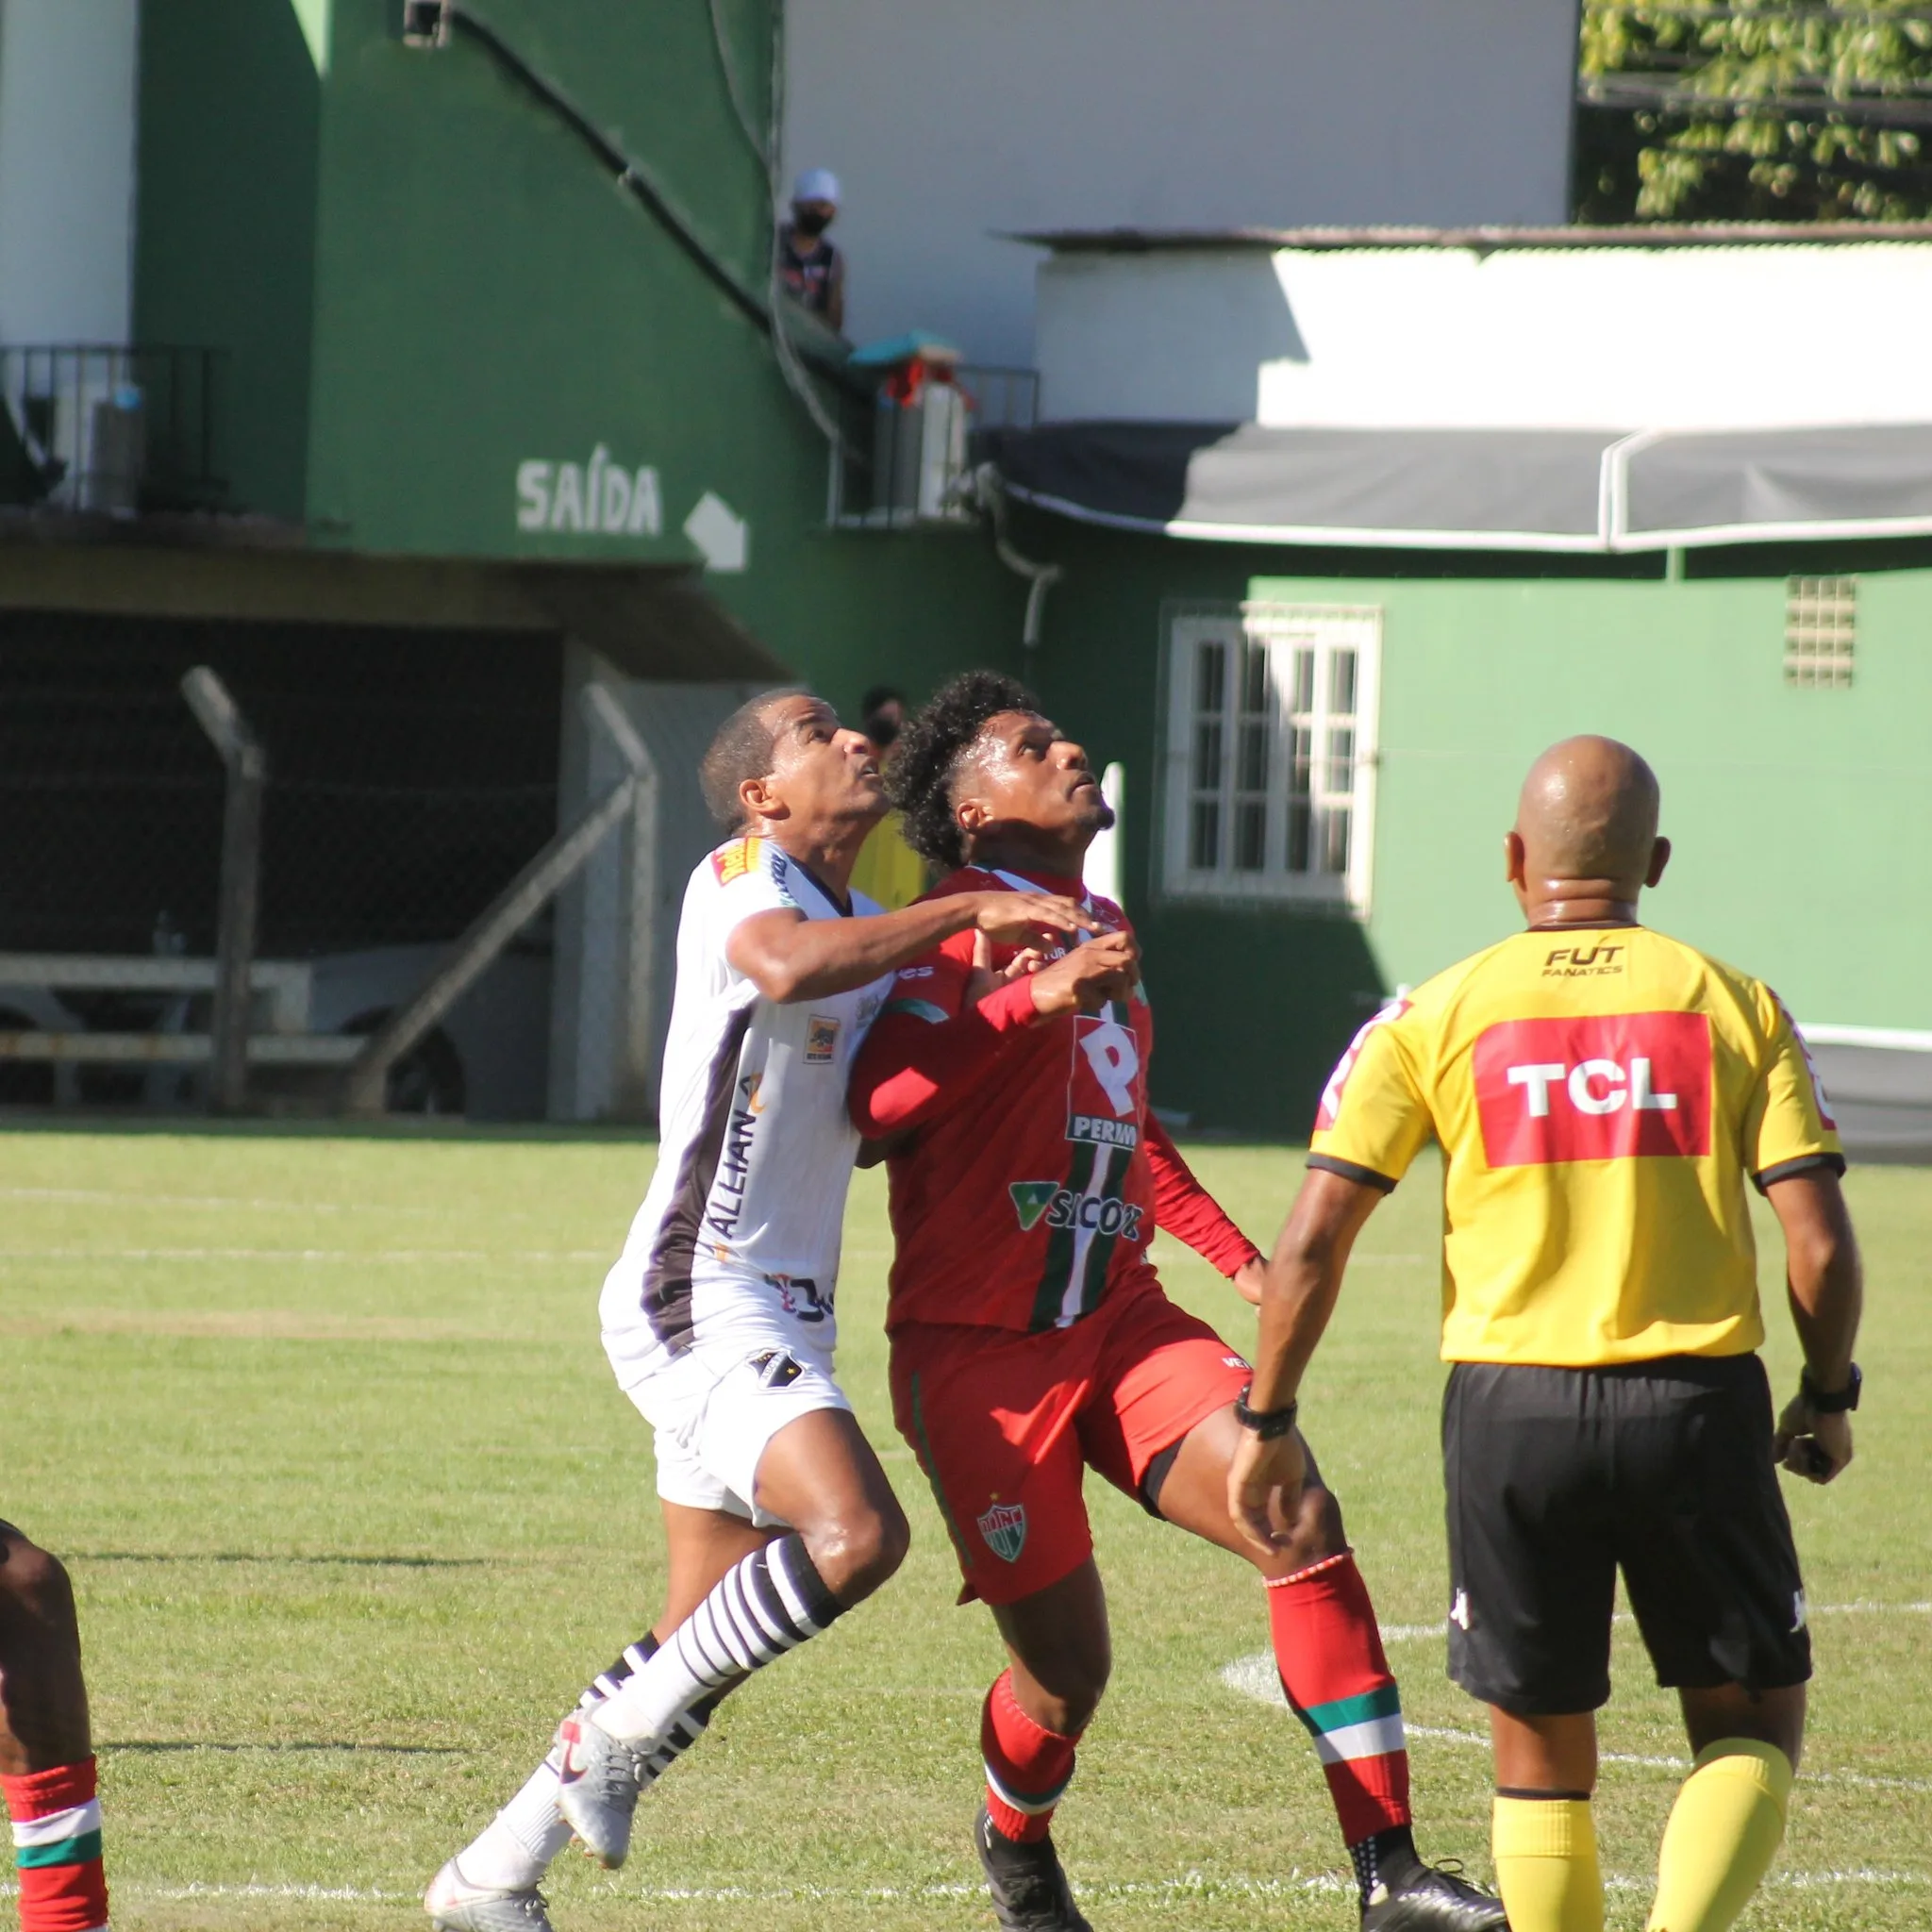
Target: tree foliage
{"points": [[1754, 110]]}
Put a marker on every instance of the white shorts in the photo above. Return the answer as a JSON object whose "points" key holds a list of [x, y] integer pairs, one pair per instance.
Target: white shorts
{"points": [[716, 1407]]}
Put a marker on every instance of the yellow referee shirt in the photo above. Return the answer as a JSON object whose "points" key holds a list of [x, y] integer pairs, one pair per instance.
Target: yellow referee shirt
{"points": [[1600, 1097]]}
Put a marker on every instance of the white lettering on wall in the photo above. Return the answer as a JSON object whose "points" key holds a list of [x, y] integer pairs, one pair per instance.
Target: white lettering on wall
{"points": [[599, 497]]}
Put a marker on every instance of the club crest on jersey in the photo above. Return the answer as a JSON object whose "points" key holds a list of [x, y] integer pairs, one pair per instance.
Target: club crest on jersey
{"points": [[1031, 1199], [1105, 1095], [821, 1040], [733, 861], [1004, 1526]]}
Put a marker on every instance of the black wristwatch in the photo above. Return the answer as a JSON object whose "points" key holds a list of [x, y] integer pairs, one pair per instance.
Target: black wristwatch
{"points": [[1265, 1422], [1845, 1400]]}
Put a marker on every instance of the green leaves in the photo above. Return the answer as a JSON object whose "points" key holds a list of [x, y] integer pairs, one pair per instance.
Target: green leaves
{"points": [[1760, 110]]}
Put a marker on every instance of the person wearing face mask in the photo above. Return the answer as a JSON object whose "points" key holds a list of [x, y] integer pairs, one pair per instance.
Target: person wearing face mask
{"points": [[810, 268]]}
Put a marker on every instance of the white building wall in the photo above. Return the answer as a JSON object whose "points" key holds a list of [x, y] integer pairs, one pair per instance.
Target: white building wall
{"points": [[1663, 338], [67, 132], [949, 124]]}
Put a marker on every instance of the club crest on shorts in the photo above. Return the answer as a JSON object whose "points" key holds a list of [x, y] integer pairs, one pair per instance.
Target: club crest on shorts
{"points": [[775, 1369], [1004, 1526]]}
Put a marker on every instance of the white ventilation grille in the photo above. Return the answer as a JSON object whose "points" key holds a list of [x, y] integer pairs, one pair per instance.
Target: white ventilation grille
{"points": [[1821, 631]]}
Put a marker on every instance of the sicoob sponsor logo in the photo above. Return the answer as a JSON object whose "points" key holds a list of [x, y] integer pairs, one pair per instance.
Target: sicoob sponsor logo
{"points": [[1104, 1094], [1606, 1087]]}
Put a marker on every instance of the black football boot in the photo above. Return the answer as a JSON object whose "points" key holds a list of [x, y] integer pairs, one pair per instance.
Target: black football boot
{"points": [[1030, 1892], [1406, 1895]]}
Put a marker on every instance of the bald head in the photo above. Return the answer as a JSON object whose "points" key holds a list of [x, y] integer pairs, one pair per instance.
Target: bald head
{"points": [[1585, 827]]}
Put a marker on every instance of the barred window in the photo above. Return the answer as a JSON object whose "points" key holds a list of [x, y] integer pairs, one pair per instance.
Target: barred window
{"points": [[1269, 791], [1820, 628]]}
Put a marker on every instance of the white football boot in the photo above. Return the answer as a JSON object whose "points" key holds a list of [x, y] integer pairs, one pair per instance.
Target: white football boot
{"points": [[454, 1905], [599, 1779]]}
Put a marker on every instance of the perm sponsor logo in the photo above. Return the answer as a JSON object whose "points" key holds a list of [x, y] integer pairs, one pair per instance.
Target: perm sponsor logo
{"points": [[1583, 962], [733, 861], [1105, 1095], [1330, 1109], [821, 1040], [1031, 1199], [1603, 1087], [1004, 1526], [597, 498]]}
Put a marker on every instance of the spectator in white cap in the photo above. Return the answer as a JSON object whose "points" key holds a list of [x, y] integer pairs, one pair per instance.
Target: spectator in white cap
{"points": [[811, 270]]}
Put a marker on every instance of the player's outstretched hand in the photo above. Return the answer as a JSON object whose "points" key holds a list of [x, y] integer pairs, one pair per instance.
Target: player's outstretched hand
{"points": [[1106, 968], [1264, 1487], [1019, 919], [1247, 1280], [1814, 1447]]}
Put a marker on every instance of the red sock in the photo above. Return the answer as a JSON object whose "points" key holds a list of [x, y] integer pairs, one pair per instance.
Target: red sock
{"points": [[1028, 1766], [1329, 1654], [56, 1844]]}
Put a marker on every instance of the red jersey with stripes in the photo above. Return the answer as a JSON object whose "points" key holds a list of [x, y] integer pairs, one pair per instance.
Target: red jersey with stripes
{"points": [[1031, 1173]]}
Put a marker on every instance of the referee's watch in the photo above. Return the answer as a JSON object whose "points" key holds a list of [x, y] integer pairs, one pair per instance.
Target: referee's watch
{"points": [[1839, 1403], [1265, 1422]]}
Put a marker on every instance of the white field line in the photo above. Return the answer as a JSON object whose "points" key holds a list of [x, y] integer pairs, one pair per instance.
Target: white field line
{"points": [[1256, 1678], [278, 1203], [358, 1255], [1186, 1885]]}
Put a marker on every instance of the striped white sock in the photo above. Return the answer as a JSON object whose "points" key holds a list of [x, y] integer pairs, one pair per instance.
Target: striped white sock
{"points": [[522, 1841], [764, 1608]]}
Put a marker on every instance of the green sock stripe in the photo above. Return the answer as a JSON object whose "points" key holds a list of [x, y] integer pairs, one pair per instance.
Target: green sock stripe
{"points": [[1324, 1718], [83, 1850]]}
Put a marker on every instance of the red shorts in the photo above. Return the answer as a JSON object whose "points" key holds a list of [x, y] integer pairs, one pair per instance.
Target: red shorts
{"points": [[1006, 1424]]}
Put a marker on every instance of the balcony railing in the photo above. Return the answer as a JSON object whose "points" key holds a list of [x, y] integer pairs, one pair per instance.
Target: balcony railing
{"points": [[906, 459], [97, 430]]}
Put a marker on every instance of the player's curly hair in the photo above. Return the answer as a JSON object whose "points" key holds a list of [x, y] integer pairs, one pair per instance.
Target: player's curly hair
{"points": [[928, 753]]}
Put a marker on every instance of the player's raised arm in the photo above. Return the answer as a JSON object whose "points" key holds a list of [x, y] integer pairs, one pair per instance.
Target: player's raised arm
{"points": [[940, 1035], [789, 958]]}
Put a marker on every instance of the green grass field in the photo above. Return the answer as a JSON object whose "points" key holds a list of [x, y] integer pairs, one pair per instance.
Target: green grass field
{"points": [[354, 1507]]}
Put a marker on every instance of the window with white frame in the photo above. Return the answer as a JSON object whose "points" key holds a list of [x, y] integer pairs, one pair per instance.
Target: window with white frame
{"points": [[1271, 753]]}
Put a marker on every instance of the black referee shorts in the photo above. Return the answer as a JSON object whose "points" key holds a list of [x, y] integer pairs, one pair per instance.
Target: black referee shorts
{"points": [[1558, 1477]]}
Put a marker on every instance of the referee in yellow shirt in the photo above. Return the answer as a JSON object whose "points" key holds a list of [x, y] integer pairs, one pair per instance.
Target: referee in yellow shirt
{"points": [[1602, 1094]]}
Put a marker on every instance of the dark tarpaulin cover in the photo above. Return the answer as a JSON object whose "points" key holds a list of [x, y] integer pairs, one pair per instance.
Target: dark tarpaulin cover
{"points": [[1533, 488]]}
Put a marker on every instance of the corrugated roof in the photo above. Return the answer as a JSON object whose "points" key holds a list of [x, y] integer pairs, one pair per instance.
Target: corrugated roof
{"points": [[1635, 235]]}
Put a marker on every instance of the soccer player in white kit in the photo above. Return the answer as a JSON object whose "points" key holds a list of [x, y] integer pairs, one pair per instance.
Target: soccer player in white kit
{"points": [[719, 1317]]}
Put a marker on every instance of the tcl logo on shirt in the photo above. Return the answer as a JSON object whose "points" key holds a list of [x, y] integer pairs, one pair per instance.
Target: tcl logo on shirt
{"points": [[1603, 1088]]}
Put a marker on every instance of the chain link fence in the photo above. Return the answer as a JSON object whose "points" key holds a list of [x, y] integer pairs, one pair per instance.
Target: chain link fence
{"points": [[410, 777]]}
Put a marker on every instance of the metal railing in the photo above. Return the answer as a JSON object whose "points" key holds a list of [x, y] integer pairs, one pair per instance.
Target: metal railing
{"points": [[906, 458], [115, 430]]}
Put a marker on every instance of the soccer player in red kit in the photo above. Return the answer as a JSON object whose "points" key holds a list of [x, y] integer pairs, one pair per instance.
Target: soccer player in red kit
{"points": [[1031, 1339]]}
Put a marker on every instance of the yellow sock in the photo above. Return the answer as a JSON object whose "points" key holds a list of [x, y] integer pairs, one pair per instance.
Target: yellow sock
{"points": [[1545, 1853], [1724, 1830]]}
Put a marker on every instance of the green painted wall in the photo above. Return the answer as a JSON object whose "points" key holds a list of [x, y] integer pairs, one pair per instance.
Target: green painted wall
{"points": [[427, 281], [1799, 816], [224, 223]]}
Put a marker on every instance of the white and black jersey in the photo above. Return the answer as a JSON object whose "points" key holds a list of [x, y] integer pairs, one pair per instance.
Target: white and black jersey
{"points": [[744, 1213]]}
